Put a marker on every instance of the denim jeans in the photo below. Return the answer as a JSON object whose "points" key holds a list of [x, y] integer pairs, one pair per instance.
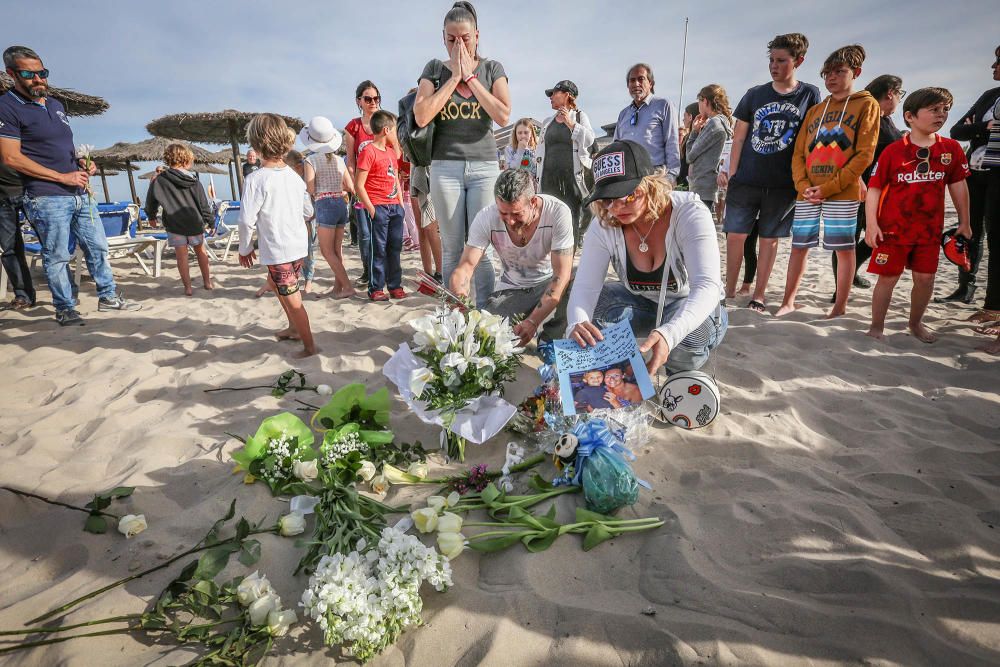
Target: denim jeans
{"points": [[12, 243], [364, 239], [520, 302], [387, 245], [616, 303], [459, 191], [55, 217], [309, 265]]}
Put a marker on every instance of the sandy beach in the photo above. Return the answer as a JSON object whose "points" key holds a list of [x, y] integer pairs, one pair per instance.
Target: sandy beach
{"points": [[843, 509]]}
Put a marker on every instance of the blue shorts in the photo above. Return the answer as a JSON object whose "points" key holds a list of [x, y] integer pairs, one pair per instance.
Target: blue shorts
{"points": [[331, 212], [770, 208], [840, 221]]}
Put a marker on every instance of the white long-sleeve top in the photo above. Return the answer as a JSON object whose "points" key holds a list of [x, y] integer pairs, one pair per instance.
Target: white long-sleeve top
{"points": [[276, 204], [582, 137], [692, 257]]}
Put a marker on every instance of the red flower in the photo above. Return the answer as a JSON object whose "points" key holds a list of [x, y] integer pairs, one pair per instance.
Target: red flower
{"points": [[694, 389]]}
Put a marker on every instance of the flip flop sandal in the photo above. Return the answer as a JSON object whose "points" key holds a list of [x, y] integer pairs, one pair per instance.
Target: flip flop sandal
{"points": [[989, 329], [983, 316], [757, 307]]}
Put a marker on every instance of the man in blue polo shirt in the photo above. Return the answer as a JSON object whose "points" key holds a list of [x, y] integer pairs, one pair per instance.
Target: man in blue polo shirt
{"points": [[37, 141], [650, 121]]}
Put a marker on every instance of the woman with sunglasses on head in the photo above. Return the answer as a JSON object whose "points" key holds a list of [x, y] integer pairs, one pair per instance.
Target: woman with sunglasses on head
{"points": [[464, 96], [887, 89], [357, 135], [564, 151], [663, 247], [980, 126]]}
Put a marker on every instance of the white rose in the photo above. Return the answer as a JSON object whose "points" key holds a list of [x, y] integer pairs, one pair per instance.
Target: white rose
{"points": [[324, 389], [278, 622], [449, 523], [367, 470], [131, 525], [418, 469], [450, 544], [437, 502], [380, 485], [425, 519], [453, 498], [261, 607], [293, 523], [307, 471], [419, 377], [252, 588]]}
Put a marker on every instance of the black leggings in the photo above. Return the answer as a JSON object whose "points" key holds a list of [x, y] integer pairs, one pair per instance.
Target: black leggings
{"points": [[862, 251], [992, 215]]}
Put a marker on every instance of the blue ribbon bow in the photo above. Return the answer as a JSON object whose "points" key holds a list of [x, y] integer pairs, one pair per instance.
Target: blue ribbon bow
{"points": [[593, 434]]}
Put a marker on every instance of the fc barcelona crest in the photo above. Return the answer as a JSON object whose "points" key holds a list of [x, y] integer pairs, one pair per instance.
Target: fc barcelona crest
{"points": [[946, 158], [882, 258]]}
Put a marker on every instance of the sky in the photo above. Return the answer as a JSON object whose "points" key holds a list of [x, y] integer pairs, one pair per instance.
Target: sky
{"points": [[305, 58]]}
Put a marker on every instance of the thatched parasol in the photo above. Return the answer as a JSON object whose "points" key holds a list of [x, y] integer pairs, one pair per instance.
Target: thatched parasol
{"points": [[76, 104], [221, 127], [225, 156], [197, 168], [150, 150]]}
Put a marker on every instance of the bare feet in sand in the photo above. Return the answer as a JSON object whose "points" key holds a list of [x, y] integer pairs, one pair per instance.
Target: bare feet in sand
{"points": [[188, 291], [263, 290], [835, 312], [787, 308], [307, 287], [287, 334], [302, 354], [209, 286], [346, 293], [877, 334], [991, 348], [745, 289], [922, 333]]}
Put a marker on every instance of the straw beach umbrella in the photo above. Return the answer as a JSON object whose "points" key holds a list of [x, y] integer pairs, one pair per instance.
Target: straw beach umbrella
{"points": [[225, 156], [76, 104], [196, 168], [107, 168], [150, 150], [220, 127]]}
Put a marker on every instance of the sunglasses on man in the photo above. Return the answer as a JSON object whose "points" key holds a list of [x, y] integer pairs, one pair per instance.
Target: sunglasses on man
{"points": [[28, 74]]}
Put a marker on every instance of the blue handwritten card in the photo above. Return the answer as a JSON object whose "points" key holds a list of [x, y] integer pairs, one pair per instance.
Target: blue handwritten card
{"points": [[610, 375]]}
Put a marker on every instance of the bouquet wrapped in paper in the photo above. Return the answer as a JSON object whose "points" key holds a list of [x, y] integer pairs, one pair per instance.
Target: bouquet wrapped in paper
{"points": [[454, 374]]}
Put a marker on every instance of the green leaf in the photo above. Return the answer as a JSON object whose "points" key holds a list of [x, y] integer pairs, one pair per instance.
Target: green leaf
{"points": [[491, 544], [249, 552], [96, 524], [540, 483], [187, 572], [551, 514], [536, 542], [586, 515], [121, 492], [490, 494], [377, 437], [379, 403], [597, 534], [212, 562], [212, 536], [99, 503], [242, 529]]}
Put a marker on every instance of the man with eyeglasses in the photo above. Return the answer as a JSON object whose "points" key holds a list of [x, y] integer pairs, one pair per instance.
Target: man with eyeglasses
{"points": [[37, 141], [650, 121]]}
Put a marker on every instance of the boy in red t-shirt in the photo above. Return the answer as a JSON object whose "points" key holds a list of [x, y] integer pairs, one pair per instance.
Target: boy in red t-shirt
{"points": [[904, 207], [379, 191]]}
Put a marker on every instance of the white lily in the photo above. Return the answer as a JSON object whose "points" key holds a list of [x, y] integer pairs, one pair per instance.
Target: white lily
{"points": [[454, 360], [418, 469], [367, 470], [419, 377]]}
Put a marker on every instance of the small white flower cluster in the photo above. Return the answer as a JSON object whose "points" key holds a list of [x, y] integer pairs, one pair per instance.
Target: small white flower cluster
{"points": [[283, 462], [365, 600], [263, 606], [457, 342], [350, 442]]}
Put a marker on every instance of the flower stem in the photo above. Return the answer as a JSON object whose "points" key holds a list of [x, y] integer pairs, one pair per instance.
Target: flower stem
{"points": [[57, 640], [195, 549], [520, 467], [102, 621], [28, 494]]}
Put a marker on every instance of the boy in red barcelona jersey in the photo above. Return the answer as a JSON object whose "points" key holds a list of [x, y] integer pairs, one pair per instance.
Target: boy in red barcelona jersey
{"points": [[904, 207]]}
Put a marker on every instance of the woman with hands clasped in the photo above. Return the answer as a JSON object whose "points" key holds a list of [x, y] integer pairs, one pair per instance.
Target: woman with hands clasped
{"points": [[463, 96], [663, 248]]}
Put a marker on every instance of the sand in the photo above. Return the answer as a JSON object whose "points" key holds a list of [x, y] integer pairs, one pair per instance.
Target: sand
{"points": [[843, 509]]}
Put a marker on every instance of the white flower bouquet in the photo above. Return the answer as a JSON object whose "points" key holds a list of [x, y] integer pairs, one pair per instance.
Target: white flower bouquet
{"points": [[364, 600], [455, 373]]}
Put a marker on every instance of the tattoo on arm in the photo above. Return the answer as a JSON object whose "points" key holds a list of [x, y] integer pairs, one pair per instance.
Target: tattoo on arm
{"points": [[563, 251]]}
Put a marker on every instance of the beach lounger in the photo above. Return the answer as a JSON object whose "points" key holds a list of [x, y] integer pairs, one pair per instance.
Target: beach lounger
{"points": [[121, 221], [226, 231]]}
